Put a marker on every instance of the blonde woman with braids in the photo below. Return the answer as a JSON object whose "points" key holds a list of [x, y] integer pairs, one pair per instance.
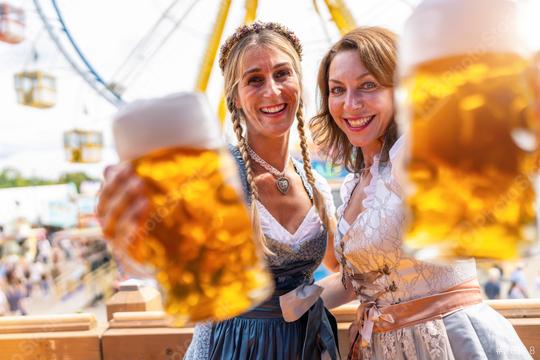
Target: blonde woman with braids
{"points": [[291, 205], [409, 309]]}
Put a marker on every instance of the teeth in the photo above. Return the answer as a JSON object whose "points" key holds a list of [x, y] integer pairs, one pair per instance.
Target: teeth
{"points": [[359, 122], [273, 109]]}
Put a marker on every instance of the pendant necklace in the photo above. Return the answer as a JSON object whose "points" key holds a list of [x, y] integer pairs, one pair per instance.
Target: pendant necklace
{"points": [[282, 182]]}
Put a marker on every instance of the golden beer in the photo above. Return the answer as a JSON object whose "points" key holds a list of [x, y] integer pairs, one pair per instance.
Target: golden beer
{"points": [[472, 155], [535, 80], [198, 236]]}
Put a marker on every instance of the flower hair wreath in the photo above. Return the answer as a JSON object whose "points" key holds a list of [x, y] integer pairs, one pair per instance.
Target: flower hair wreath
{"points": [[256, 27]]}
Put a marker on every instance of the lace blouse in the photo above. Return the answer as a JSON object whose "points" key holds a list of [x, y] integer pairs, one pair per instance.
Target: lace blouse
{"points": [[373, 246]]}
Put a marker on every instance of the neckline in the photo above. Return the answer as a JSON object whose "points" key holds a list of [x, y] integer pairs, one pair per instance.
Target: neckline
{"points": [[300, 173], [356, 180], [272, 218]]}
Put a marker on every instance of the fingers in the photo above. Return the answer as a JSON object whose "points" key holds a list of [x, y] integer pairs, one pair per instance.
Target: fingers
{"points": [[125, 198], [109, 170], [129, 267], [131, 224], [123, 205], [115, 176], [112, 191]]}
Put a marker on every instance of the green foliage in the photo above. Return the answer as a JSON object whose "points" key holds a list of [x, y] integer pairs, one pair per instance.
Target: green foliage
{"points": [[77, 178], [10, 177]]}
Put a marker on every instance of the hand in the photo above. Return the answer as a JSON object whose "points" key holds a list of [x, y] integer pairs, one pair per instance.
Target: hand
{"points": [[122, 209]]}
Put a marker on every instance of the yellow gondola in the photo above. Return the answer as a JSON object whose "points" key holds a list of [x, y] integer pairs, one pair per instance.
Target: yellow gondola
{"points": [[12, 24], [36, 89], [83, 146]]}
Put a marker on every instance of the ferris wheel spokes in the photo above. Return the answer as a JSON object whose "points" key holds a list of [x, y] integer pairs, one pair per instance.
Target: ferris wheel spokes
{"points": [[85, 70], [149, 45]]}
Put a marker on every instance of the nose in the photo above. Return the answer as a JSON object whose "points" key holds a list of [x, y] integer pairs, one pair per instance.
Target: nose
{"points": [[353, 101], [271, 88]]}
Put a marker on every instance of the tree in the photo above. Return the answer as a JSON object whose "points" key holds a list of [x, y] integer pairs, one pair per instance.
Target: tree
{"points": [[11, 177], [77, 178]]}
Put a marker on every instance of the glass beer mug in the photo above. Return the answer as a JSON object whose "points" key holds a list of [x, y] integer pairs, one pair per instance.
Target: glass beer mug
{"points": [[466, 103], [198, 237], [535, 79]]}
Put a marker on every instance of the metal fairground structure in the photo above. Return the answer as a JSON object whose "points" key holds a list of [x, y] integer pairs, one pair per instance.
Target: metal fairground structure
{"points": [[332, 15]]}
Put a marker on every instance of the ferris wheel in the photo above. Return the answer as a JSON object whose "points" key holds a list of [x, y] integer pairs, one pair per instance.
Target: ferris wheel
{"points": [[330, 16], [72, 53], [173, 45], [156, 37]]}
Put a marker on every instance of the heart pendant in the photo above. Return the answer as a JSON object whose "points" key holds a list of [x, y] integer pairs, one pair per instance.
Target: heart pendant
{"points": [[282, 184]]}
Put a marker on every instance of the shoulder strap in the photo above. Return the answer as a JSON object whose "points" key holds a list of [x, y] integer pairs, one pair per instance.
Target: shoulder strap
{"points": [[299, 166], [235, 152]]}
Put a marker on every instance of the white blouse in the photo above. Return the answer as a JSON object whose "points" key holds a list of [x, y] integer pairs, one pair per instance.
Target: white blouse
{"points": [[310, 226], [375, 239]]}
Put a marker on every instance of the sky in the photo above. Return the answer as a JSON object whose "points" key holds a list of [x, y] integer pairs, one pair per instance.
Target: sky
{"points": [[107, 31]]}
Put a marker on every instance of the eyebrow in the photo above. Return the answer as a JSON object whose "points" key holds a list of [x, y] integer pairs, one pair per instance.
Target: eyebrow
{"points": [[357, 78], [256, 69]]}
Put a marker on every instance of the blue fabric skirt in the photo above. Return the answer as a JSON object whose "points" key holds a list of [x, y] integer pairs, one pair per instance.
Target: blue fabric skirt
{"points": [[479, 332], [263, 334], [243, 338]]}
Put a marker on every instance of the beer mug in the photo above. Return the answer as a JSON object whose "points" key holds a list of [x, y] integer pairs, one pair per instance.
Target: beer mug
{"points": [[535, 79], [198, 237], [466, 103], [530, 27]]}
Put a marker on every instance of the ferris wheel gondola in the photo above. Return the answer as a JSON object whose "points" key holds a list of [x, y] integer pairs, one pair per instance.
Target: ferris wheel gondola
{"points": [[12, 23], [36, 89]]}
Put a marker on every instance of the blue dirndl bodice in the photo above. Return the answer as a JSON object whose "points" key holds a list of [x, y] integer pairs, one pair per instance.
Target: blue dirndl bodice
{"points": [[262, 333]]}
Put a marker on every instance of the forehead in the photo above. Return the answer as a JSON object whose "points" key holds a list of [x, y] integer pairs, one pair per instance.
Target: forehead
{"points": [[346, 64], [263, 57]]}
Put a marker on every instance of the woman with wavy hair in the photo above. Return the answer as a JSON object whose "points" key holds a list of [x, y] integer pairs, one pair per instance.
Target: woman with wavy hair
{"points": [[409, 309]]}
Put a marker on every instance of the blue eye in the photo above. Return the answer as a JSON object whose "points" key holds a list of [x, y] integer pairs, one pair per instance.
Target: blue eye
{"points": [[369, 85], [337, 90]]}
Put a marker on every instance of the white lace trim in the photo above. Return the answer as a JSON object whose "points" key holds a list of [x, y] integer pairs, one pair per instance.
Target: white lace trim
{"points": [[432, 333], [351, 180], [375, 239], [199, 347], [425, 340]]}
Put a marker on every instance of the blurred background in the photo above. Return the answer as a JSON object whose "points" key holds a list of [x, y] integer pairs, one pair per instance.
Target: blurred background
{"points": [[65, 67]]}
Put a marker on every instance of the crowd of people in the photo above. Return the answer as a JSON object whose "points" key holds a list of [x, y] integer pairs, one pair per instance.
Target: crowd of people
{"points": [[514, 286], [33, 262]]}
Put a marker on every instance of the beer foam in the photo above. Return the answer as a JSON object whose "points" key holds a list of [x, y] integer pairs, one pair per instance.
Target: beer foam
{"points": [[444, 28], [177, 120]]}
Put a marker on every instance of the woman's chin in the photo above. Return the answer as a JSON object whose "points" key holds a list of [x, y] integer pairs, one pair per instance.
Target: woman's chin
{"points": [[277, 130], [361, 141], [357, 141]]}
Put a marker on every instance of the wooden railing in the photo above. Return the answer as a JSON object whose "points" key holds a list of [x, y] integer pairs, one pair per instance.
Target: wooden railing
{"points": [[71, 293], [147, 335]]}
